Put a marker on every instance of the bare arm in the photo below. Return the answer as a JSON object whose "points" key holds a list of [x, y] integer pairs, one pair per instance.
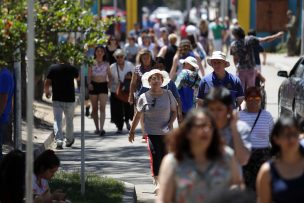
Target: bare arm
{"points": [[199, 103], [47, 84], [235, 59], [166, 180], [109, 76], [200, 65], [3, 102], [263, 184], [271, 37], [134, 125], [236, 179], [242, 154], [162, 52], [174, 67], [132, 88]]}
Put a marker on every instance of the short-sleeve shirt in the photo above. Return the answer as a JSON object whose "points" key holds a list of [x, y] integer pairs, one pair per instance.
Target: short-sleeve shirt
{"points": [[62, 77], [244, 131], [243, 49], [40, 190], [190, 80], [217, 31], [261, 132], [128, 67], [6, 87], [231, 82], [139, 71], [194, 185], [156, 110]]}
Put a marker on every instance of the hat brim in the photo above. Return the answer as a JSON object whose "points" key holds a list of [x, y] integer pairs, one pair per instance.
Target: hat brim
{"points": [[194, 65], [215, 58], [146, 76]]}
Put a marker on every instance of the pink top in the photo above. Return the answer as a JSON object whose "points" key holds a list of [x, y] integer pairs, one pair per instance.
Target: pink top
{"points": [[100, 70]]}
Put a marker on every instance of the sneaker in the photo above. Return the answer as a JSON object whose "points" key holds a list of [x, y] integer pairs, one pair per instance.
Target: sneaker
{"points": [[119, 131], [128, 125], [102, 133], [59, 146], [70, 144]]}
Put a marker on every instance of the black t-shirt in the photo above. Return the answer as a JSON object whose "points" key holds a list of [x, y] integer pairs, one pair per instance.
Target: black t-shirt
{"points": [[171, 51], [62, 77]]}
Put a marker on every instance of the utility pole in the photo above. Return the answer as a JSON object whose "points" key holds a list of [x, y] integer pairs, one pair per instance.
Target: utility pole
{"points": [[30, 53], [82, 93], [17, 99], [302, 30]]}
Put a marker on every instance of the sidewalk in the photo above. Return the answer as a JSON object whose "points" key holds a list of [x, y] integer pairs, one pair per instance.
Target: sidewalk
{"points": [[111, 155]]}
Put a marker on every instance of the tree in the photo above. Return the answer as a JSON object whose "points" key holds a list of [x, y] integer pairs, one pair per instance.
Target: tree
{"points": [[54, 18]]}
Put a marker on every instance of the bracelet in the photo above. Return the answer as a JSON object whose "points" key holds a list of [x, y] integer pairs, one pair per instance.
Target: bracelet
{"points": [[131, 133]]}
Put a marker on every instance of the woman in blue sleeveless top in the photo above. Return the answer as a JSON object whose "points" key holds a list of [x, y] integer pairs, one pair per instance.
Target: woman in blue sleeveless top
{"points": [[282, 180]]}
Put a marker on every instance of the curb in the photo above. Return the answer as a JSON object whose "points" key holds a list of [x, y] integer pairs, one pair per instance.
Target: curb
{"points": [[129, 195], [43, 146]]}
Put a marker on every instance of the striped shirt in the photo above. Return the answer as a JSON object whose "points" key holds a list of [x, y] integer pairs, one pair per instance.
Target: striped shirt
{"points": [[260, 134]]}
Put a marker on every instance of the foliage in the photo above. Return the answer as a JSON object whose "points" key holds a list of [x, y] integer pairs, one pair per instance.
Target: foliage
{"points": [[98, 189], [54, 18]]}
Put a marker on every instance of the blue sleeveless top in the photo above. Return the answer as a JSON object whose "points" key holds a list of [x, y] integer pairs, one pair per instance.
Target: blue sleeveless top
{"points": [[286, 191]]}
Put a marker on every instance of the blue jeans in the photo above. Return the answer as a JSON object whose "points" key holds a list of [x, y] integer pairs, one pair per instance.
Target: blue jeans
{"points": [[3, 131], [68, 109]]}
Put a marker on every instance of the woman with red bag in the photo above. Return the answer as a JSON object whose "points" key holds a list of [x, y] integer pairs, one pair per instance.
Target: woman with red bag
{"points": [[121, 71]]}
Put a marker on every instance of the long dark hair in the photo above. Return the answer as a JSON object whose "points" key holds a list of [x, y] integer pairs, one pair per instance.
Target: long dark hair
{"points": [[105, 58], [284, 122], [46, 160], [180, 145], [12, 177]]}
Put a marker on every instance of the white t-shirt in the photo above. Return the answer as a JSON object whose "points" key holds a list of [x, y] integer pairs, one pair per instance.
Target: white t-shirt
{"points": [[129, 67], [260, 134]]}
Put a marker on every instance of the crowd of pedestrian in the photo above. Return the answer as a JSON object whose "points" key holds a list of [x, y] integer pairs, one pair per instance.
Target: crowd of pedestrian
{"points": [[158, 77]]}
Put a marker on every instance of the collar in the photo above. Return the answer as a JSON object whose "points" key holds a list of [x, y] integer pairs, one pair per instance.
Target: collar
{"points": [[214, 76]]}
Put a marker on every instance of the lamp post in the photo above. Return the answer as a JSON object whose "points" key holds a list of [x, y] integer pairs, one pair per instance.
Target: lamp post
{"points": [[302, 31], [30, 53]]}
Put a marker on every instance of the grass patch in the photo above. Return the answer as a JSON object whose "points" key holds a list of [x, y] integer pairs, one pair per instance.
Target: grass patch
{"points": [[98, 189]]}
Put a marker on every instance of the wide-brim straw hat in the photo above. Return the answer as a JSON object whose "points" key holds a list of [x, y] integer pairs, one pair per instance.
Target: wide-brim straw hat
{"points": [[218, 55], [191, 60], [147, 75]]}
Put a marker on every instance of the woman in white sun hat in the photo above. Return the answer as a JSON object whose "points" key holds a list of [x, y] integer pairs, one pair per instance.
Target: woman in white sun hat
{"points": [[220, 78], [159, 108], [190, 79]]}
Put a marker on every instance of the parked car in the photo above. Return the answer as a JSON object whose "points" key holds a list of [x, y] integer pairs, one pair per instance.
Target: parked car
{"points": [[291, 92]]}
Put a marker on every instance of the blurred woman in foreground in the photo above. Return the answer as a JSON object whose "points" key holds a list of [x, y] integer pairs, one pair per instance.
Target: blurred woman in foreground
{"points": [[282, 179], [198, 163]]}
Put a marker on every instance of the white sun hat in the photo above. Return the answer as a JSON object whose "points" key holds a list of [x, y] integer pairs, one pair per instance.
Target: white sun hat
{"points": [[147, 75], [191, 60], [218, 55]]}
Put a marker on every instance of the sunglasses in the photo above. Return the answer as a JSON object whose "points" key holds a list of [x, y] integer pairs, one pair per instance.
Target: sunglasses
{"points": [[119, 57], [153, 102], [256, 98]]}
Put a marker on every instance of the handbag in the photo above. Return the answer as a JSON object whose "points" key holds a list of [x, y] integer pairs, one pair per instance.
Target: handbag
{"points": [[123, 88]]}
